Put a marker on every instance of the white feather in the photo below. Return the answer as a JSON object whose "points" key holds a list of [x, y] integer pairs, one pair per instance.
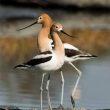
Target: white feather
{"points": [[42, 56], [69, 46]]}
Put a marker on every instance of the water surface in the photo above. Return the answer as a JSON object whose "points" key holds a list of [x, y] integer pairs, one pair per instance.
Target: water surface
{"points": [[21, 88]]}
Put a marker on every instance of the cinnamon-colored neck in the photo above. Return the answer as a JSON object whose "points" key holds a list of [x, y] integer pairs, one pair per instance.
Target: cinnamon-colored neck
{"points": [[42, 38]]}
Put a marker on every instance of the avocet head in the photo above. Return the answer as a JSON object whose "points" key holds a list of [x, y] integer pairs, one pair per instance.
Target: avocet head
{"points": [[57, 27], [43, 19]]}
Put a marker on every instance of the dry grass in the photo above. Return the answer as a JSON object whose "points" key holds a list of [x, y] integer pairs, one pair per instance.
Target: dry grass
{"points": [[17, 49], [93, 41]]}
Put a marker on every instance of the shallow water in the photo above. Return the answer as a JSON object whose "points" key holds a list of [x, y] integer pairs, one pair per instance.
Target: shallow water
{"points": [[21, 88]]}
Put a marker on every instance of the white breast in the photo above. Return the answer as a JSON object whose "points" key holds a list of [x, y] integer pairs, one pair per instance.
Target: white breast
{"points": [[51, 65]]}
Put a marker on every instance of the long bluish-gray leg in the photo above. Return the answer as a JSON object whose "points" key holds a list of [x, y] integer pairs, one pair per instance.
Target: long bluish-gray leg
{"points": [[74, 90], [41, 89], [62, 92], [48, 94]]}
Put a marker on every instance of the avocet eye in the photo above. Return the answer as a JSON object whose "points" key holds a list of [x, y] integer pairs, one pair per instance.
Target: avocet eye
{"points": [[40, 17]]}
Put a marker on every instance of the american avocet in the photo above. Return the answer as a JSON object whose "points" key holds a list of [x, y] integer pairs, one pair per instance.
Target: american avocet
{"points": [[44, 43], [72, 54], [48, 61]]}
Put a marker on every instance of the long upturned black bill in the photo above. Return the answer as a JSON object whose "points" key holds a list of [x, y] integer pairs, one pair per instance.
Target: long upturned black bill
{"points": [[66, 33], [27, 26]]}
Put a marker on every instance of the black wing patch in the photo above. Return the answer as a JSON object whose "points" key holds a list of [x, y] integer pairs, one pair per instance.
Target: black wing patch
{"points": [[37, 61], [34, 62], [71, 52]]}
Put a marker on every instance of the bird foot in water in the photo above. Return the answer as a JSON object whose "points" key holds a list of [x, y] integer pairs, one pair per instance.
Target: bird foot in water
{"points": [[73, 102]]}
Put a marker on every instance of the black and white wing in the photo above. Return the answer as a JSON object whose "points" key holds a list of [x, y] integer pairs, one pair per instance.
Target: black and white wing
{"points": [[38, 59], [74, 53]]}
